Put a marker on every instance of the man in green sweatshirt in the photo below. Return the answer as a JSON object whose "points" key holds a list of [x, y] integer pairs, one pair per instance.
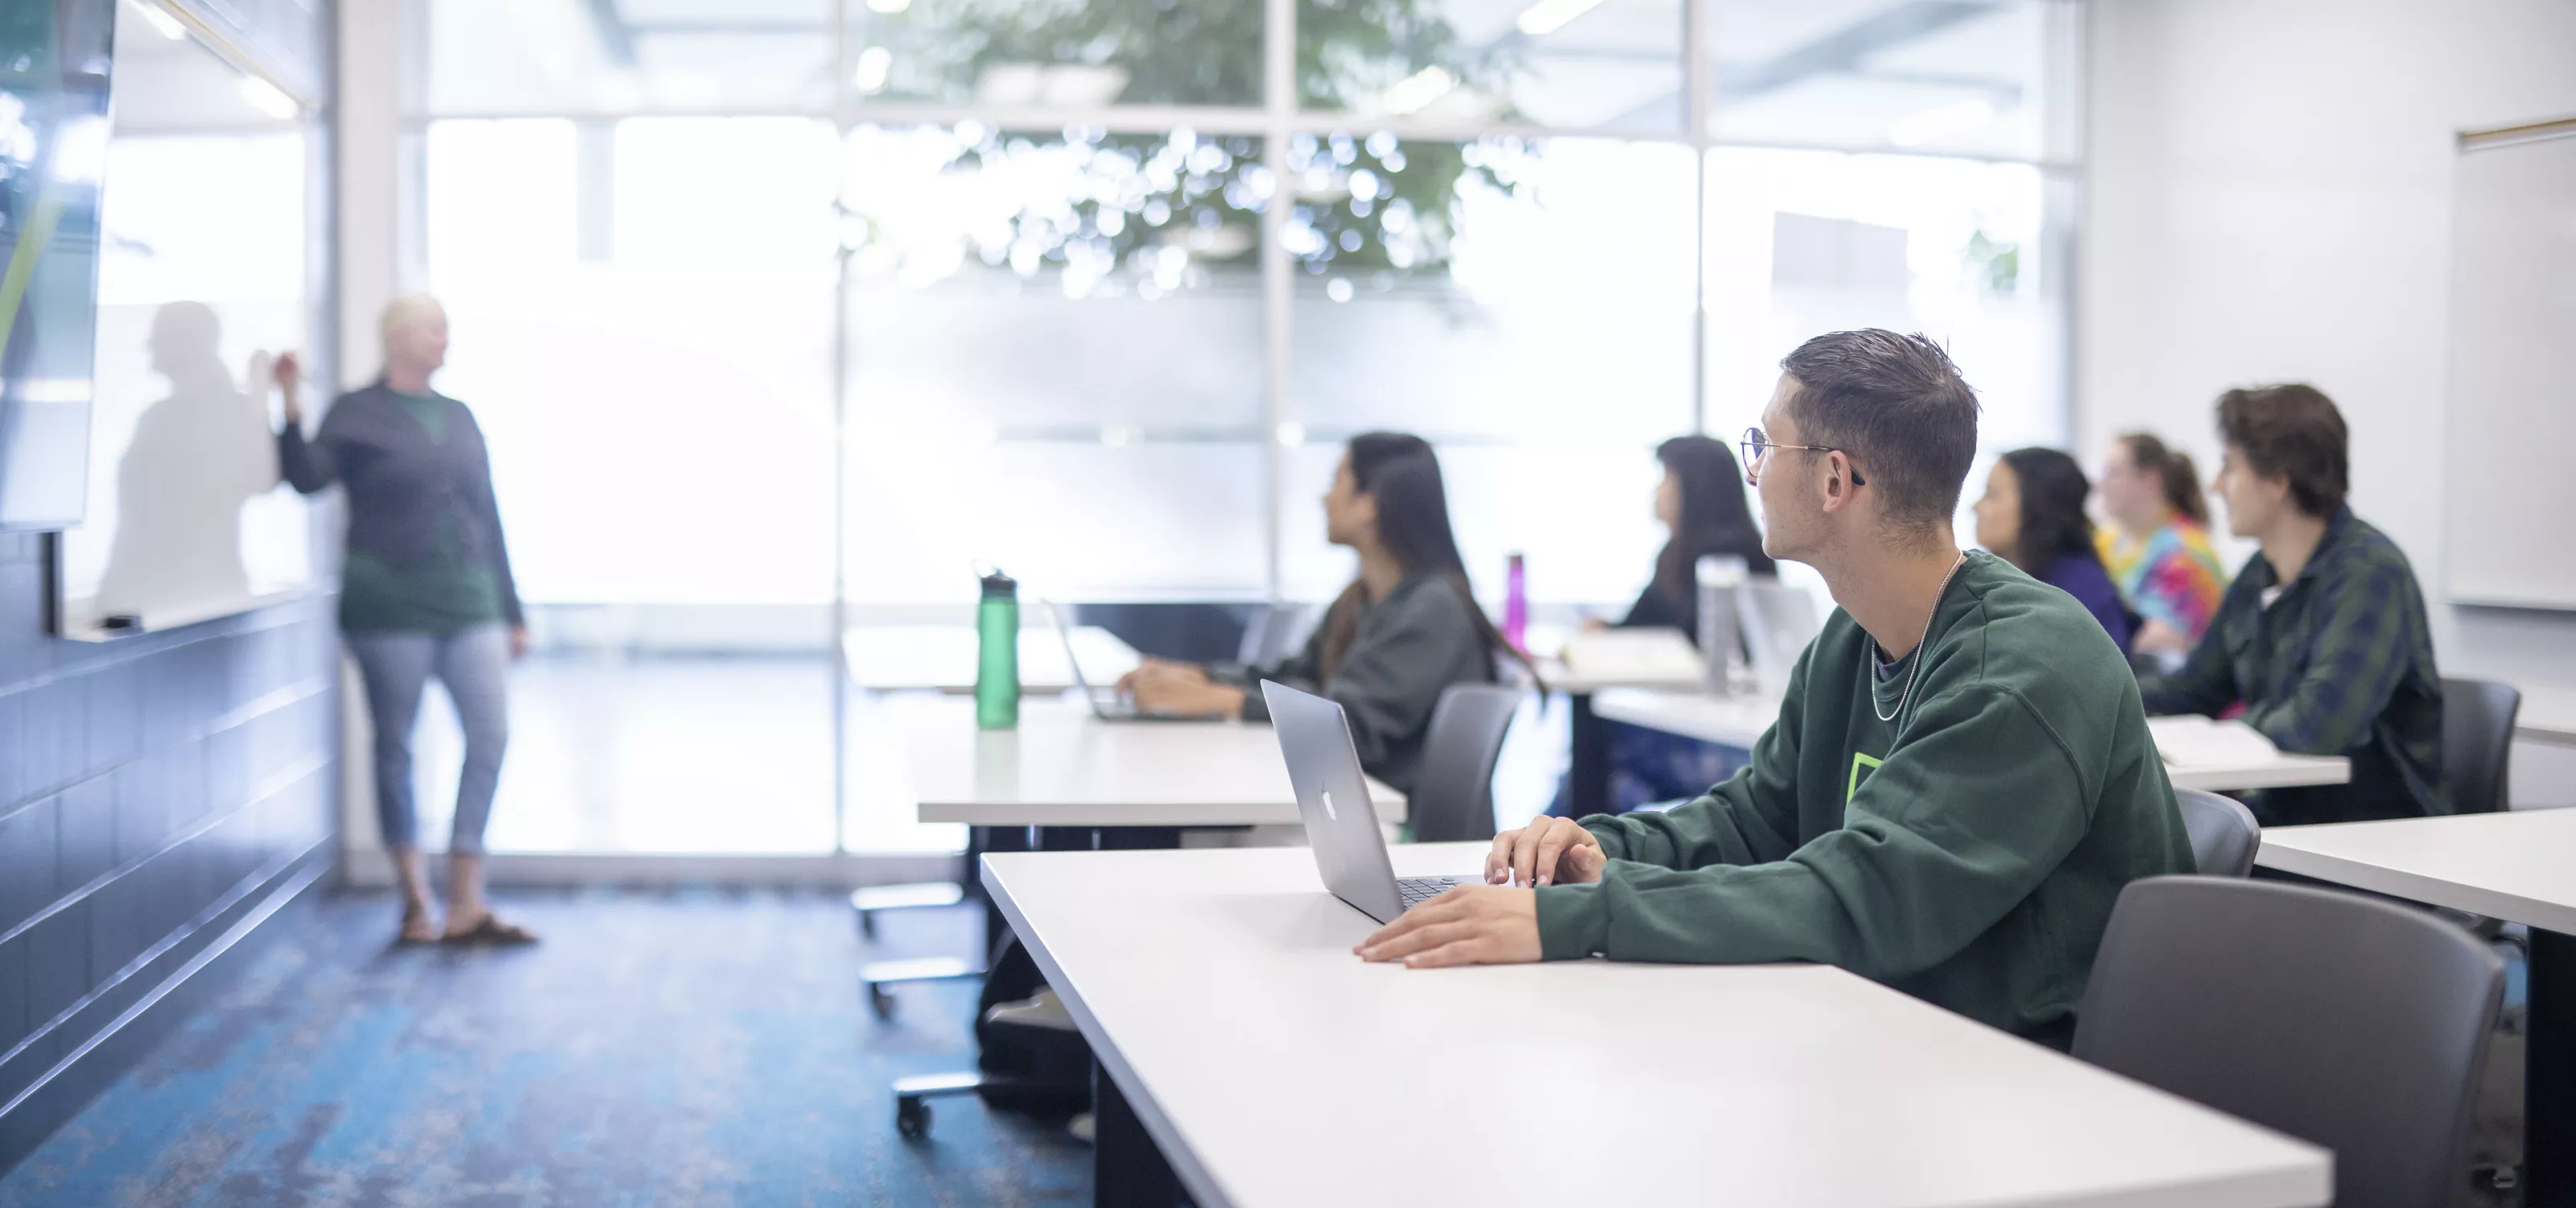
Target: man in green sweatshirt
{"points": [[1960, 780]]}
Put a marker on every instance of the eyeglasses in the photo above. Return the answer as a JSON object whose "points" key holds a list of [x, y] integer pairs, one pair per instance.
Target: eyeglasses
{"points": [[1755, 444]]}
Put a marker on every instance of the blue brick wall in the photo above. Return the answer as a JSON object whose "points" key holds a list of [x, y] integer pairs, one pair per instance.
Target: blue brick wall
{"points": [[152, 790]]}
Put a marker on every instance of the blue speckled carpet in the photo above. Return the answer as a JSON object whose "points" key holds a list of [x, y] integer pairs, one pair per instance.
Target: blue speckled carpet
{"points": [[660, 1048]]}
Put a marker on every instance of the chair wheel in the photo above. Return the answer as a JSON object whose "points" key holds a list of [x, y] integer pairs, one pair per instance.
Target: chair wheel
{"points": [[911, 1118], [881, 1001]]}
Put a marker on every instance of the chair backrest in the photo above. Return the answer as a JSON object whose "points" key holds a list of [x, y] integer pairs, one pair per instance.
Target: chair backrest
{"points": [[2346, 1021], [2477, 742], [1453, 792], [2223, 832]]}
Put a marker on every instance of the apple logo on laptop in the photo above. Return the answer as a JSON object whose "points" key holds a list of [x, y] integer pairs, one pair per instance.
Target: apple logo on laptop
{"points": [[1328, 807]]}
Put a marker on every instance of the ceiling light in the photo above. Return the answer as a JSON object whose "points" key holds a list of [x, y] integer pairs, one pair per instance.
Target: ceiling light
{"points": [[876, 65], [269, 99], [1956, 118], [1411, 93], [1548, 16], [160, 19], [888, 6]]}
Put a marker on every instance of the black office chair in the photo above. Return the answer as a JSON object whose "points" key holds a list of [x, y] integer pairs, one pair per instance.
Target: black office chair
{"points": [[2477, 743], [2346, 1021], [2223, 833], [1453, 793]]}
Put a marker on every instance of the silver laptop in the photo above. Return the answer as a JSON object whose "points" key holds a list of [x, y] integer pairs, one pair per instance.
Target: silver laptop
{"points": [[1333, 801], [1107, 704]]}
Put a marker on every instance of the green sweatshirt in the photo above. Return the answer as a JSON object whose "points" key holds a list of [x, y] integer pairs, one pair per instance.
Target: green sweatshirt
{"points": [[1967, 853]]}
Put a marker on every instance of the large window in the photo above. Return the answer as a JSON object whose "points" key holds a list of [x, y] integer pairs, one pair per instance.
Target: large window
{"points": [[765, 296], [1540, 234]]}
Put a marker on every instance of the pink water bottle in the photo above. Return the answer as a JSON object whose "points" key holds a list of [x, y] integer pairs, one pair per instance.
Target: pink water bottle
{"points": [[1516, 605]]}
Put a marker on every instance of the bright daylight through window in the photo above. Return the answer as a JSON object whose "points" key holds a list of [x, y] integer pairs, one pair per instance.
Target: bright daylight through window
{"points": [[1085, 296]]}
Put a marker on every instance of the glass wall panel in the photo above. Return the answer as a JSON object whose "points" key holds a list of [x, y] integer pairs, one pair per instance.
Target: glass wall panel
{"points": [[1805, 242], [1968, 79], [619, 56], [1056, 54], [1527, 305], [1053, 338], [1609, 65], [641, 316]]}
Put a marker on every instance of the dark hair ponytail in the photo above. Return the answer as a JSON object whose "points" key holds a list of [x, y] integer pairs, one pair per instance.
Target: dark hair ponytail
{"points": [[2174, 468], [1401, 474], [1715, 519]]}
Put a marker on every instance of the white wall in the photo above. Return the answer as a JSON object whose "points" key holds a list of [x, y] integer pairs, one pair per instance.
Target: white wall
{"points": [[2268, 199]]}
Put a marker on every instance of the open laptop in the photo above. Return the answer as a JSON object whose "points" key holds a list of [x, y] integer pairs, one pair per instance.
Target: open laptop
{"points": [[1107, 704], [1333, 801]]}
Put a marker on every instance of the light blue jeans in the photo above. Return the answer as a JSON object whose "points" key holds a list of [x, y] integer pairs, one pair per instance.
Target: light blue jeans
{"points": [[475, 667]]}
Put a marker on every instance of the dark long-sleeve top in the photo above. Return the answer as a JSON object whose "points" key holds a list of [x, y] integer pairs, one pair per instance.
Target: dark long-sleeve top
{"points": [[425, 549], [2340, 662], [1410, 646], [1655, 610], [2082, 576]]}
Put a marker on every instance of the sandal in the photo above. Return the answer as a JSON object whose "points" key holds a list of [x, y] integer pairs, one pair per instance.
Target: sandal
{"points": [[491, 930], [415, 928]]}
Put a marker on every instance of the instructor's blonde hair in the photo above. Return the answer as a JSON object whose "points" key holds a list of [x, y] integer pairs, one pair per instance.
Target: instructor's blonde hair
{"points": [[405, 312]]}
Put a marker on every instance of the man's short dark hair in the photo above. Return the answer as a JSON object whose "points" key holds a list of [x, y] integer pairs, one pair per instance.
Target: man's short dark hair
{"points": [[1898, 406], [2291, 431]]}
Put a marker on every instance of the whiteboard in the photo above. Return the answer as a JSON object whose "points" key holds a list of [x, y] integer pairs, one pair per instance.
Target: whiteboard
{"points": [[2512, 429], [202, 280]]}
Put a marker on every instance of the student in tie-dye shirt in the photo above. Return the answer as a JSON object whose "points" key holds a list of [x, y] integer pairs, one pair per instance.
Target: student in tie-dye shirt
{"points": [[2157, 544]]}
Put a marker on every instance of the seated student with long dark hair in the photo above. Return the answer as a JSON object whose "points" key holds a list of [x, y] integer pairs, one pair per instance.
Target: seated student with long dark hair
{"points": [[2032, 515], [1700, 502], [1400, 634]]}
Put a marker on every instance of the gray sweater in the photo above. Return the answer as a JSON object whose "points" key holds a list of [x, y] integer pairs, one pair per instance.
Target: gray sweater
{"points": [[1410, 647]]}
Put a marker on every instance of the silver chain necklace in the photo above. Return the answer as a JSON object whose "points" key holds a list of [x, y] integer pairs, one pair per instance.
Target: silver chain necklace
{"points": [[1916, 672]]}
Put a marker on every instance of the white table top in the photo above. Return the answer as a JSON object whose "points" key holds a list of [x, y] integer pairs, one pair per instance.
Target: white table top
{"points": [[1275, 1069], [942, 657], [1728, 721], [1064, 767], [1739, 721], [2519, 866], [2548, 715]]}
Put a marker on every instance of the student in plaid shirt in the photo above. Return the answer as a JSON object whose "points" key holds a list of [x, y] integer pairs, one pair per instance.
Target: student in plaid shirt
{"points": [[2322, 636]]}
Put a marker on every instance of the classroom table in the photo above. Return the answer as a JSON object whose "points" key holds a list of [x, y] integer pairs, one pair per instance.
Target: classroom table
{"points": [[1079, 782], [2548, 715], [1064, 767], [942, 657], [2519, 866], [1739, 721], [1587, 772], [1247, 1057]]}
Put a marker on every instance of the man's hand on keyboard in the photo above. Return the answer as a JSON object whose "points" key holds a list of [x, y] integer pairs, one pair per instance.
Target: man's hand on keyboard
{"points": [[1469, 925], [1549, 851]]}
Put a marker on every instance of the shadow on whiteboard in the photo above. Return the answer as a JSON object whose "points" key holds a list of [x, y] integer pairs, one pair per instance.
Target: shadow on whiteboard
{"points": [[187, 518]]}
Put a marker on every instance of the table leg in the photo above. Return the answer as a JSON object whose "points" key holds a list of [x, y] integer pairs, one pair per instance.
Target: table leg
{"points": [[2549, 1086], [1587, 787], [1127, 1168]]}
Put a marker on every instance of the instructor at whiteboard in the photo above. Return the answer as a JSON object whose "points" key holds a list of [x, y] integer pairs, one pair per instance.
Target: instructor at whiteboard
{"points": [[425, 590]]}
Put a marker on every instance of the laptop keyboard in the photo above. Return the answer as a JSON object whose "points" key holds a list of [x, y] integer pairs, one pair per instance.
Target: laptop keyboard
{"points": [[1417, 890]]}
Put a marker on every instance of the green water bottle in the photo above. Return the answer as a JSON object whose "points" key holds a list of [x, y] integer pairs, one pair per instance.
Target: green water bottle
{"points": [[997, 654]]}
